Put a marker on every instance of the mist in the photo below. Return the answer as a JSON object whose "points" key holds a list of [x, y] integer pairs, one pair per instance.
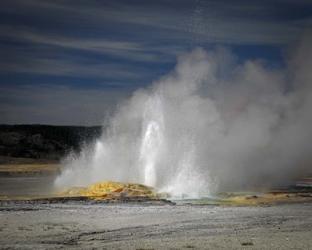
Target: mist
{"points": [[213, 124]]}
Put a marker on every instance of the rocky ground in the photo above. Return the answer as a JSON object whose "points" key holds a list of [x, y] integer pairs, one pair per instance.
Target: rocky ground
{"points": [[141, 226], [239, 223]]}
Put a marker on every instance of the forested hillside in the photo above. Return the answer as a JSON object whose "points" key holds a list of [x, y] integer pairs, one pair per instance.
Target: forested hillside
{"points": [[44, 141]]}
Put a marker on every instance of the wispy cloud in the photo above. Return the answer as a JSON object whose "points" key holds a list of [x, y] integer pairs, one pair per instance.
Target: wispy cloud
{"points": [[239, 22], [57, 104], [64, 67], [124, 43], [133, 51]]}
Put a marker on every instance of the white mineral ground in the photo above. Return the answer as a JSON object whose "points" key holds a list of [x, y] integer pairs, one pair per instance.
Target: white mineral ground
{"points": [[72, 226]]}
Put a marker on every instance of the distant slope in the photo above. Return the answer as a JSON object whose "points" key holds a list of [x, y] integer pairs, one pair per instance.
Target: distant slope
{"points": [[44, 141]]}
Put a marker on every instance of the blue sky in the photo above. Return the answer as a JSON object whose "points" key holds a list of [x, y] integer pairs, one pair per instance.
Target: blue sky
{"points": [[70, 62]]}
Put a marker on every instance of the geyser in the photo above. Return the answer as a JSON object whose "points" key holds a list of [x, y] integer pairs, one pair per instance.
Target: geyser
{"points": [[211, 125]]}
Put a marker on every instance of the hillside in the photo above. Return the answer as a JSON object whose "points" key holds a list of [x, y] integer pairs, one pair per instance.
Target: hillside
{"points": [[43, 141]]}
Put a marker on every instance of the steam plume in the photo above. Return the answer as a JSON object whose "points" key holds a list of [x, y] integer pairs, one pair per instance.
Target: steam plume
{"points": [[212, 124]]}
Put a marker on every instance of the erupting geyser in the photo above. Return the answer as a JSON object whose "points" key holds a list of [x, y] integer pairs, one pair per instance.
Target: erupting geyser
{"points": [[210, 125], [152, 140]]}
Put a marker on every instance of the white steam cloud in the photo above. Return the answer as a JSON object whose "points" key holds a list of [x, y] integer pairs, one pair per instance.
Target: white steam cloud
{"points": [[211, 125]]}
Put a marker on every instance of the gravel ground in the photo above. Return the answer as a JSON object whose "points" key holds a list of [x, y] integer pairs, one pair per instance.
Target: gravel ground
{"points": [[140, 226]]}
